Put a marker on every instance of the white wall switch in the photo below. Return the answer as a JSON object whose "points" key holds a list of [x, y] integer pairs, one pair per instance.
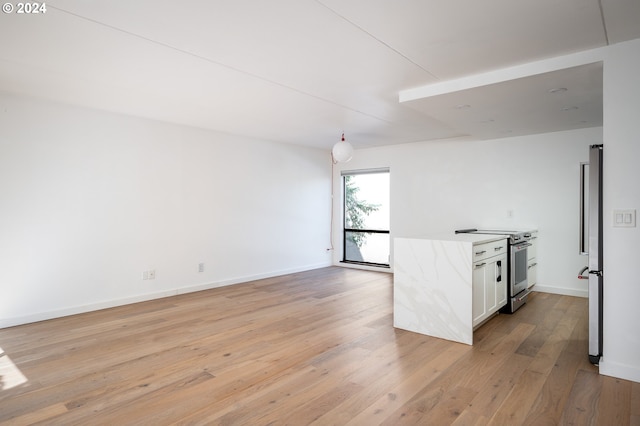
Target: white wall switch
{"points": [[624, 218]]}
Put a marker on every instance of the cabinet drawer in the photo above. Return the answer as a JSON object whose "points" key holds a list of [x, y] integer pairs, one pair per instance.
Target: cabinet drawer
{"points": [[486, 250]]}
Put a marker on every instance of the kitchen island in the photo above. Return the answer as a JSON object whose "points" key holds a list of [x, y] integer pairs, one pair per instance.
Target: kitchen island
{"points": [[448, 284]]}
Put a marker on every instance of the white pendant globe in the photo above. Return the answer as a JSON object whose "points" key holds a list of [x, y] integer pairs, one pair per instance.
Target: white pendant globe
{"points": [[342, 151]]}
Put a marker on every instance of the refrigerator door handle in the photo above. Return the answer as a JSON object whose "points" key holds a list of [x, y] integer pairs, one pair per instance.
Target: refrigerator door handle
{"points": [[581, 275]]}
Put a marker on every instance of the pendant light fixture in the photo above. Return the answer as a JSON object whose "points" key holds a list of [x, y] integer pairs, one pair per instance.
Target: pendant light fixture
{"points": [[342, 151]]}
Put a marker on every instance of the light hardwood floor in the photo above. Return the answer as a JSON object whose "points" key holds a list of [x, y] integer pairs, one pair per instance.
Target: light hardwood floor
{"points": [[316, 347]]}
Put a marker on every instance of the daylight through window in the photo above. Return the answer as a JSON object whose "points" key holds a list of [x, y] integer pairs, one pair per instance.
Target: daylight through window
{"points": [[366, 217]]}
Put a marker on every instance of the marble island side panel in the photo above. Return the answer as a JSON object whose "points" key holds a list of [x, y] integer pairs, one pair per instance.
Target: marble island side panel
{"points": [[433, 288]]}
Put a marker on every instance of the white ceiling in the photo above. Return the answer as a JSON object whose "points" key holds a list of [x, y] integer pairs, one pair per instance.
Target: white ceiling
{"points": [[304, 71]]}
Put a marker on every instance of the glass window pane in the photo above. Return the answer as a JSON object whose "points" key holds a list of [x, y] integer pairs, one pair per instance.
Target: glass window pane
{"points": [[367, 247], [367, 201]]}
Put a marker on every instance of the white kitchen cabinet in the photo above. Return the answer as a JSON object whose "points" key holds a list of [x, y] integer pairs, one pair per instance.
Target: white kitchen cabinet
{"points": [[438, 292], [489, 282], [532, 260]]}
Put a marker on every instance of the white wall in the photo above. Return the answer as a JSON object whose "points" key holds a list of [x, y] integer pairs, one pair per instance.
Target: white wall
{"points": [[89, 200], [446, 185], [621, 180]]}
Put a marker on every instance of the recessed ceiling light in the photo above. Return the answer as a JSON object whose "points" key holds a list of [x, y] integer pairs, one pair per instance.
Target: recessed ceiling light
{"points": [[569, 108], [558, 90], [463, 106]]}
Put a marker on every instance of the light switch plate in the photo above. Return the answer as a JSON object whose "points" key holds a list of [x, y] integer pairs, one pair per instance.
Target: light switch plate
{"points": [[624, 218]]}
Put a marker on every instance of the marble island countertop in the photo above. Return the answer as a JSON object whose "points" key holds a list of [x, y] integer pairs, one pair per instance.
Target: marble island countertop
{"points": [[465, 238]]}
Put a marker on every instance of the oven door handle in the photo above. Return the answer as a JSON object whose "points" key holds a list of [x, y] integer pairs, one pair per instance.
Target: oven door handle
{"points": [[521, 245], [521, 296]]}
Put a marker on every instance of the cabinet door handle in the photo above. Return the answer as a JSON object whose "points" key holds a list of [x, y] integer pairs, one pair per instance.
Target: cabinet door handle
{"points": [[498, 248], [481, 264], [532, 265], [478, 253]]}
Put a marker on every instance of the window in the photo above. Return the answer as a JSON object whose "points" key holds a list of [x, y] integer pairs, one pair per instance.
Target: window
{"points": [[366, 217]]}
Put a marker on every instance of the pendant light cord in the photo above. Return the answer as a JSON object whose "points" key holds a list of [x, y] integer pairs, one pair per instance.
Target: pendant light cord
{"points": [[333, 163]]}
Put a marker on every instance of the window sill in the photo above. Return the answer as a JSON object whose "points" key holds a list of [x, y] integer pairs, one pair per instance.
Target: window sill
{"points": [[365, 266]]}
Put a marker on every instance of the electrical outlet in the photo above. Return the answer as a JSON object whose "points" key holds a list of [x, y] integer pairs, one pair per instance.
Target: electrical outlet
{"points": [[152, 274], [201, 267]]}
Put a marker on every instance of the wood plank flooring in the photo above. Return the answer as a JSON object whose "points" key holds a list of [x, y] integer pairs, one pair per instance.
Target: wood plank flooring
{"points": [[316, 347]]}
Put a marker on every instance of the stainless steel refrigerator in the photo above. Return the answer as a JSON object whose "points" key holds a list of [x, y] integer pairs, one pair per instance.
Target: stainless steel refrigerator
{"points": [[591, 245]]}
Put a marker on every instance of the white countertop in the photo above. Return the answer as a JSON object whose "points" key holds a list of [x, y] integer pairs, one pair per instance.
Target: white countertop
{"points": [[468, 238]]}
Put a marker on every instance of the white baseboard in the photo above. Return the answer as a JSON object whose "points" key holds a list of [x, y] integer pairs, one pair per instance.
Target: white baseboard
{"points": [[560, 290], [619, 371], [58, 313]]}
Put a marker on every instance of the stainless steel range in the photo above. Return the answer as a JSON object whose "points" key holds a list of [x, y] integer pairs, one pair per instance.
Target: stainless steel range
{"points": [[517, 291]]}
